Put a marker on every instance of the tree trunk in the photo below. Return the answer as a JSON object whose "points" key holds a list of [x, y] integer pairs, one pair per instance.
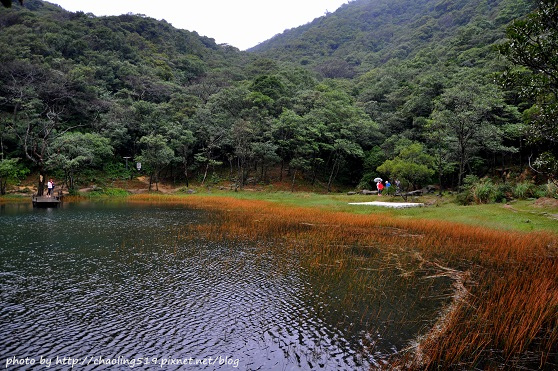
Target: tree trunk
{"points": [[205, 173], [440, 169], [440, 179], [41, 186], [461, 167], [231, 167], [71, 183], [331, 176], [185, 163], [240, 174]]}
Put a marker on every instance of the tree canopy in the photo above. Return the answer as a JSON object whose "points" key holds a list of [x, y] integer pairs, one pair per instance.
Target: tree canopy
{"points": [[326, 103], [532, 46]]}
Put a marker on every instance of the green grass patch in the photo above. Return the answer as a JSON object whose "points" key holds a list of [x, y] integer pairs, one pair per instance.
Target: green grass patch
{"points": [[108, 192], [518, 215]]}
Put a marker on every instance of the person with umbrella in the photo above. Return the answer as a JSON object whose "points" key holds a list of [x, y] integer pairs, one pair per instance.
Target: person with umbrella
{"points": [[379, 185]]}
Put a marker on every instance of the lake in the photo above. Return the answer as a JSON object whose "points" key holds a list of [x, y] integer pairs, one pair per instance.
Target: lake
{"points": [[118, 285]]}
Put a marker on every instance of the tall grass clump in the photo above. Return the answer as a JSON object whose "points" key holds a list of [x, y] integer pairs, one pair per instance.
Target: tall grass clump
{"points": [[524, 190], [549, 190], [481, 191], [484, 191], [502, 312]]}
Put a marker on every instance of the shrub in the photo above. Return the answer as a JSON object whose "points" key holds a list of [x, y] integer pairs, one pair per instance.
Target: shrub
{"points": [[73, 192], [484, 191], [464, 198], [116, 170], [367, 181], [503, 192], [524, 190], [549, 189]]}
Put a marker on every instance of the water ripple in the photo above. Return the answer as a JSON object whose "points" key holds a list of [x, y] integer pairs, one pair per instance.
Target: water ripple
{"points": [[113, 281]]}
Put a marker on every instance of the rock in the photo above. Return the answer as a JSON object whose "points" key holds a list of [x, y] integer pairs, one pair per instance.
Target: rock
{"points": [[367, 192], [431, 188], [418, 192]]}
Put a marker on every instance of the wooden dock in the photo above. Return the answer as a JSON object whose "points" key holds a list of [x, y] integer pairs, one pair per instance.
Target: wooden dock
{"points": [[47, 201]]}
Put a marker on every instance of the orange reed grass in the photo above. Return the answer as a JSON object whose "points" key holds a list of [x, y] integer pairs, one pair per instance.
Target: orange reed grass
{"points": [[504, 310]]}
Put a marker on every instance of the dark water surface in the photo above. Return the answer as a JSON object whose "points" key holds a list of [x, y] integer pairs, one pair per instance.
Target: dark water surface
{"points": [[93, 283]]}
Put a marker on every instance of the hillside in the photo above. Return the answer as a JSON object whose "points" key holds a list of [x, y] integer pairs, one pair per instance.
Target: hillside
{"points": [[369, 90], [365, 34], [115, 49]]}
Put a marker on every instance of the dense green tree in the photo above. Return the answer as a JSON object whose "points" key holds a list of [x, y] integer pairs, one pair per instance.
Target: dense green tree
{"points": [[10, 171], [243, 135], [532, 47], [212, 127], [75, 151], [342, 149], [182, 142], [265, 154], [287, 131], [412, 166], [373, 158], [155, 155], [39, 100], [468, 116], [336, 130], [439, 137]]}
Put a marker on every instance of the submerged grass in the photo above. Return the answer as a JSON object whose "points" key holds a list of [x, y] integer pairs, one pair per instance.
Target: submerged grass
{"points": [[503, 310]]}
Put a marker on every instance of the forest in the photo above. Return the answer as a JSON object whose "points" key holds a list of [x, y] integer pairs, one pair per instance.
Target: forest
{"points": [[451, 93]]}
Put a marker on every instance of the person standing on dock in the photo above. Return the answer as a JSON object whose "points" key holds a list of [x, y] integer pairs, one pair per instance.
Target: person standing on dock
{"points": [[50, 186]]}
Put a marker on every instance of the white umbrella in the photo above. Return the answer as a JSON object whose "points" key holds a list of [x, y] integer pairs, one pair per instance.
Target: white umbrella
{"points": [[376, 180]]}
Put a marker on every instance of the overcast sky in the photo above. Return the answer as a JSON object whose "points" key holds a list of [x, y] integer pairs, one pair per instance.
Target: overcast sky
{"points": [[240, 23]]}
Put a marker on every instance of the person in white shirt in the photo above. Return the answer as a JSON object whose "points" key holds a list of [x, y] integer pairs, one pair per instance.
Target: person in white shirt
{"points": [[50, 185]]}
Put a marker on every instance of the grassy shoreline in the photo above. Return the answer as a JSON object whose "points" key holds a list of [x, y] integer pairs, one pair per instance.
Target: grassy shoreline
{"points": [[520, 215]]}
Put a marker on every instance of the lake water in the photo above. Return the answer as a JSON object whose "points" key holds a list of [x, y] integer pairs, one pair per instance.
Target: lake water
{"points": [[117, 285]]}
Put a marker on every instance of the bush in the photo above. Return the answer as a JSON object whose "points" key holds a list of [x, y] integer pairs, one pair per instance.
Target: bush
{"points": [[73, 192], [524, 190], [367, 181], [549, 190], [503, 192], [484, 191], [116, 170], [477, 190], [464, 198]]}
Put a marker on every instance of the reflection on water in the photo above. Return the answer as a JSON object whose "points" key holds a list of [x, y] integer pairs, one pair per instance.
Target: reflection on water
{"points": [[118, 281]]}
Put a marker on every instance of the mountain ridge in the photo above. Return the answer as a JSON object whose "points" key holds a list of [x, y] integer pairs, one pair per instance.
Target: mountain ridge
{"points": [[368, 33]]}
